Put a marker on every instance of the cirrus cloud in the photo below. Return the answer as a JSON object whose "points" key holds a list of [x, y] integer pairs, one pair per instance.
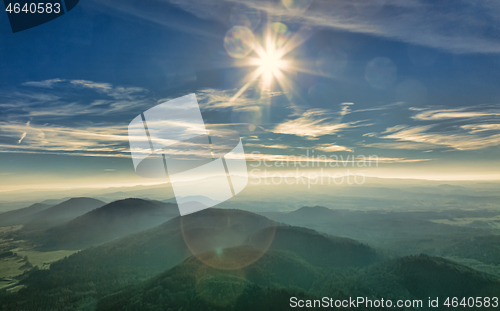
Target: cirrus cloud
{"points": [[463, 27]]}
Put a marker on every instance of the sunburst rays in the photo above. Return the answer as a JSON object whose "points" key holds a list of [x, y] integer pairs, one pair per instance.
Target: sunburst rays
{"points": [[270, 59]]}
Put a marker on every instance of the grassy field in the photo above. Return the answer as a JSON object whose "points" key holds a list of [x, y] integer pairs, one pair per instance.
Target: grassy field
{"points": [[10, 228], [9, 284], [43, 259], [24, 258], [11, 267]]}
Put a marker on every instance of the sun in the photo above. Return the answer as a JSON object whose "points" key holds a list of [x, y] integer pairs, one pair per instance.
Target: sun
{"points": [[272, 68], [269, 66], [270, 62]]}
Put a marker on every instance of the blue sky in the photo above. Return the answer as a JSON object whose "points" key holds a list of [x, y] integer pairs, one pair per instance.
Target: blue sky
{"points": [[413, 82]]}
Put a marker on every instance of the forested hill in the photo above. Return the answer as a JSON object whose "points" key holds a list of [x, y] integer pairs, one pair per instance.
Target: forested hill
{"points": [[234, 260], [109, 222]]}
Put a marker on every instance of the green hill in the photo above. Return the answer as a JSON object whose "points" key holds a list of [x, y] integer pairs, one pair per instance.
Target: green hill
{"points": [[319, 249], [483, 248], [137, 257], [193, 285], [235, 260], [420, 277], [268, 284], [22, 215], [109, 222], [61, 213]]}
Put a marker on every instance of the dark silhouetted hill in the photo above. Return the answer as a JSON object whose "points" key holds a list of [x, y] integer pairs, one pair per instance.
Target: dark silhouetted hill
{"points": [[109, 222], [320, 249], [23, 215], [483, 248], [425, 276], [62, 213], [266, 285], [144, 254]]}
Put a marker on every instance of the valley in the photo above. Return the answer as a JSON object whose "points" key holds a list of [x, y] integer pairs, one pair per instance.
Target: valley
{"points": [[138, 254]]}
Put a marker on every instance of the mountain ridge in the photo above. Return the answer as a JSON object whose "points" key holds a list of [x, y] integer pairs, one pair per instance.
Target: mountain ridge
{"points": [[62, 212], [22, 215], [111, 221]]}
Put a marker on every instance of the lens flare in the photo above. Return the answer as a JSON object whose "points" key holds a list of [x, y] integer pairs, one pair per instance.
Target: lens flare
{"points": [[225, 239], [297, 5], [239, 41], [242, 15]]}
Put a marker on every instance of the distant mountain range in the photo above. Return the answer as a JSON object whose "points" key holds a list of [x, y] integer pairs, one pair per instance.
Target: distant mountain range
{"points": [[198, 198], [225, 259], [308, 213], [23, 215], [400, 233], [61, 213], [375, 193], [109, 222]]}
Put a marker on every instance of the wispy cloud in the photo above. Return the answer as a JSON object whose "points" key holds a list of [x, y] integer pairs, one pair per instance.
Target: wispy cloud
{"points": [[320, 147], [312, 123], [315, 123], [453, 113], [400, 145], [64, 117], [51, 132], [271, 146], [220, 99], [466, 128], [44, 84], [161, 15], [452, 139], [90, 141], [328, 159], [62, 99], [105, 87], [332, 148], [118, 92], [476, 128], [464, 27]]}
